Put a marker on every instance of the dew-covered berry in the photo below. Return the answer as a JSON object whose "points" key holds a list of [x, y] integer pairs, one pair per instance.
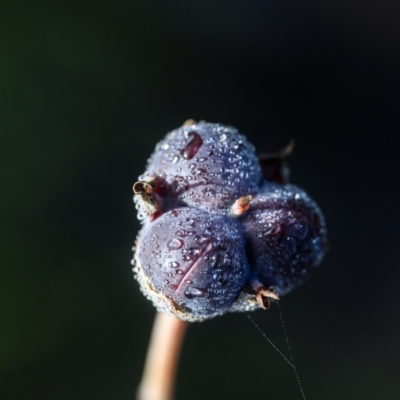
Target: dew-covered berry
{"points": [[286, 237], [202, 165], [222, 230], [191, 262]]}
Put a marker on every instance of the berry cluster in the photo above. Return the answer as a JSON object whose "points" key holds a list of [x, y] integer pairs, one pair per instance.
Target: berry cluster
{"points": [[222, 229]]}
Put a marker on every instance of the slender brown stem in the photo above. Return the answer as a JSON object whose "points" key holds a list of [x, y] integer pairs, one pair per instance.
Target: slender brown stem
{"points": [[162, 357]]}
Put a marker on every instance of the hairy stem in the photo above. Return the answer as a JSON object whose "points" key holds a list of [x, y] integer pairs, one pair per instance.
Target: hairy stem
{"points": [[162, 357]]}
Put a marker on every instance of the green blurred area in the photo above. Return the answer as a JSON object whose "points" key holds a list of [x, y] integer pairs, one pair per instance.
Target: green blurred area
{"points": [[86, 91], [60, 85]]}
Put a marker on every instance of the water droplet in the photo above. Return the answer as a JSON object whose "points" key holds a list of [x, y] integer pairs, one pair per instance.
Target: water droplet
{"points": [[165, 146], [192, 292], [173, 287], [193, 146], [173, 264], [317, 242], [194, 251], [166, 281], [301, 231], [179, 272], [215, 260], [209, 192], [203, 239], [175, 244], [188, 281], [191, 221], [222, 137], [199, 171], [181, 233], [175, 160], [174, 213], [132, 262]]}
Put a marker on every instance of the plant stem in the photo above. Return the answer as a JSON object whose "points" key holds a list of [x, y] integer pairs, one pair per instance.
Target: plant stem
{"points": [[162, 357]]}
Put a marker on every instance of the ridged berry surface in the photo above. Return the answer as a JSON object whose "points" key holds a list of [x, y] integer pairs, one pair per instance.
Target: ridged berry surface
{"points": [[204, 165], [286, 236], [195, 259]]}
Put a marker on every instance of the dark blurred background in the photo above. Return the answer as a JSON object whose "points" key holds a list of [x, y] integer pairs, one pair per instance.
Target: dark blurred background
{"points": [[88, 88]]}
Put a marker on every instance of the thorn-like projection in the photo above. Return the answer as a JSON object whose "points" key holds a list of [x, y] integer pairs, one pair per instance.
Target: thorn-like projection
{"points": [[287, 151], [241, 205], [150, 200], [263, 294], [141, 187], [189, 122], [274, 165]]}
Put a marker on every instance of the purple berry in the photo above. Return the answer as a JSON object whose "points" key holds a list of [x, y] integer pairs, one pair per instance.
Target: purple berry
{"points": [[191, 262], [202, 165], [215, 237], [286, 237]]}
